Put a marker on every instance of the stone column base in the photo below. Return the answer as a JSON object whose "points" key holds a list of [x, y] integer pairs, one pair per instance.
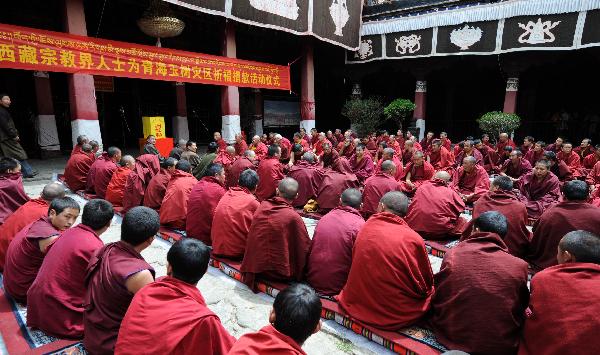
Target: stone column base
{"points": [[420, 123], [307, 125], [230, 126], [258, 127], [47, 135], [90, 128], [180, 128]]}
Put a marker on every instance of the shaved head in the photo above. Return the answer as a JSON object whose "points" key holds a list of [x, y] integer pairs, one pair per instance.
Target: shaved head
{"points": [[230, 150], [53, 190], [388, 166], [470, 159], [442, 175], [288, 188], [389, 151], [352, 198], [582, 245], [503, 183], [86, 147], [308, 157], [249, 154], [127, 160], [395, 202]]}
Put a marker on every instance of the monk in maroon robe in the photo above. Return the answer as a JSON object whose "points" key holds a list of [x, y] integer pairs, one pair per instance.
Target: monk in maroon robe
{"points": [[55, 299], [102, 170], [192, 328], [535, 154], [30, 212], [309, 176], [516, 166], [590, 160], [347, 148], [270, 172], [468, 150], [259, 148], [332, 186], [116, 186], [378, 185], [78, 167], [389, 258], [81, 140], [539, 189], [157, 187], [407, 152], [285, 145], [503, 142], [572, 214], [446, 142], [203, 200], [220, 141], [173, 210], [440, 157], [562, 307], [435, 210], [330, 255], [593, 180], [555, 147], [500, 293], [427, 140], [318, 145], [471, 181], [362, 163], [12, 194], [114, 275], [278, 242], [571, 159], [26, 252], [246, 161], [146, 166], [388, 154], [226, 157], [240, 145], [233, 217], [416, 173]]}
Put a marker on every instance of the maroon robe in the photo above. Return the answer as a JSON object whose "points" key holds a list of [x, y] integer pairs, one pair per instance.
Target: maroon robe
{"points": [[593, 180], [563, 311], [442, 159], [363, 168], [447, 143], [24, 258], [538, 196], [278, 241], [106, 296], [116, 186], [418, 176], [399, 167], [157, 187], [501, 145], [347, 151], [270, 172], [533, 157], [173, 210], [590, 161], [309, 177], [479, 277], [240, 147], [55, 299], [222, 144], [477, 183], [330, 255], [260, 150], [76, 171], [286, 148], [192, 328], [522, 168], [203, 200], [425, 143], [565, 217], [236, 169], [332, 186], [390, 284], [572, 160], [375, 187], [146, 166], [12, 194], [462, 155], [102, 171], [435, 211], [267, 341]]}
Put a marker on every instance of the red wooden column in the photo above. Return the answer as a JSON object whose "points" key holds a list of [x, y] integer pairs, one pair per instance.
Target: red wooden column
{"points": [[258, 112], [307, 83], [82, 95], [230, 96], [510, 98], [420, 106], [180, 121], [45, 120]]}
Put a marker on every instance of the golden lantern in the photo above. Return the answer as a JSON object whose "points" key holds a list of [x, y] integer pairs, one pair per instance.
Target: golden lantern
{"points": [[158, 21]]}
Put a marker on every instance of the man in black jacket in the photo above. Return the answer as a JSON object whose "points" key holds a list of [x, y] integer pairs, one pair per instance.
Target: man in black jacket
{"points": [[10, 145]]}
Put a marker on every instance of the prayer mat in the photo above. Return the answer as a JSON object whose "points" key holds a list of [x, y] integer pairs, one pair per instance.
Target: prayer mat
{"points": [[439, 248], [18, 338]]}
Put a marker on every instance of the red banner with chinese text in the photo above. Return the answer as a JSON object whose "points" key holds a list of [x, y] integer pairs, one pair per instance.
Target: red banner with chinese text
{"points": [[33, 49]]}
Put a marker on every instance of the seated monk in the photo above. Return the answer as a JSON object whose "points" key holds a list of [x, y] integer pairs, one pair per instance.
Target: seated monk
{"points": [[242, 163], [590, 160], [573, 213], [81, 140], [114, 275], [259, 148], [116, 186], [501, 293], [318, 148], [362, 163], [570, 158], [157, 187], [199, 165], [440, 157], [56, 297], [309, 176], [528, 143], [585, 148], [503, 199], [226, 157], [407, 153], [389, 258], [26, 252], [347, 147], [102, 170], [388, 154], [516, 166], [146, 166], [240, 145], [270, 172], [30, 212], [378, 185], [535, 154], [285, 145], [539, 189], [416, 173], [503, 142], [12, 194], [203, 200], [332, 186], [471, 180], [468, 150], [173, 209], [489, 155], [304, 145], [192, 328], [559, 168], [78, 167], [278, 242], [593, 180], [562, 305], [233, 217], [295, 317], [435, 210], [446, 142], [330, 255]]}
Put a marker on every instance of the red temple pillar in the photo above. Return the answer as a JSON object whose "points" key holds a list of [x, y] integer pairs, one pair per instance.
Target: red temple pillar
{"points": [[45, 120], [180, 121], [258, 112], [230, 96], [307, 83], [420, 107], [510, 98], [82, 94]]}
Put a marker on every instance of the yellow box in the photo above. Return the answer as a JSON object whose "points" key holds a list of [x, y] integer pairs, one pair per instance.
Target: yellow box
{"points": [[154, 126]]}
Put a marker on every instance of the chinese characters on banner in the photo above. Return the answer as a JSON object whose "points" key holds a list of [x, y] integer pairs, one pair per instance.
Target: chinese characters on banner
{"points": [[33, 49]]}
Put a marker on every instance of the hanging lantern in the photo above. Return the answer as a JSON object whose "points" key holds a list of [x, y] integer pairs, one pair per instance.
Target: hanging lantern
{"points": [[158, 21]]}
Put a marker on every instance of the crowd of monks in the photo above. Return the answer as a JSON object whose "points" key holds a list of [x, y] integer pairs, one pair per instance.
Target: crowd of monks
{"points": [[378, 197]]}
